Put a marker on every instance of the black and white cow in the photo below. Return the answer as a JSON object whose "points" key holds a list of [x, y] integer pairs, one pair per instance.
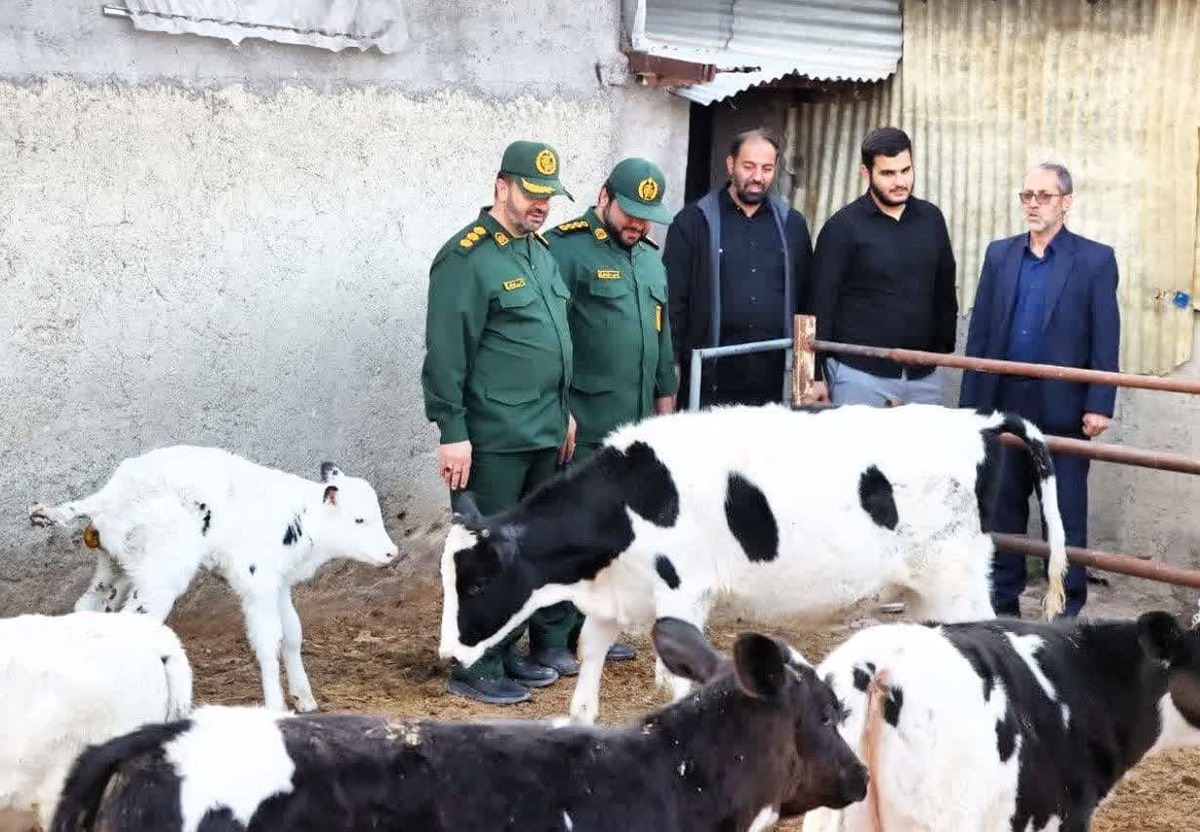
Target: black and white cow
{"points": [[168, 513], [787, 512], [1006, 726], [757, 742]]}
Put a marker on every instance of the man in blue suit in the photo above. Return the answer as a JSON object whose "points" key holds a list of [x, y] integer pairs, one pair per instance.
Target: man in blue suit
{"points": [[1049, 297]]}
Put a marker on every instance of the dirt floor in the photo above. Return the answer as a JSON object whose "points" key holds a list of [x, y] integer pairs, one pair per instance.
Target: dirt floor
{"points": [[383, 659]]}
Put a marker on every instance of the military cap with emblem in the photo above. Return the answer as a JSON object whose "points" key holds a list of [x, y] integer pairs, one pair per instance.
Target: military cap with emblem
{"points": [[639, 186], [534, 166]]}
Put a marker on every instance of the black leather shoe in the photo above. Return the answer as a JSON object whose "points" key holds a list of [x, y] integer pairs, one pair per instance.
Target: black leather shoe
{"points": [[558, 658], [492, 691], [530, 673], [620, 653]]}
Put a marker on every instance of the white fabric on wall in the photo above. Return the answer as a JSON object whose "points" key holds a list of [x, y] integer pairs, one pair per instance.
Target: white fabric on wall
{"points": [[329, 24]]}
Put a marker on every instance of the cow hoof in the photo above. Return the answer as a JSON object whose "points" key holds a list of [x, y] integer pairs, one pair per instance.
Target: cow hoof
{"points": [[306, 704]]}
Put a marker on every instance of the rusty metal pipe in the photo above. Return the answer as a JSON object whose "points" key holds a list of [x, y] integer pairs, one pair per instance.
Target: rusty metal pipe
{"points": [[1159, 460], [1139, 566], [1019, 368]]}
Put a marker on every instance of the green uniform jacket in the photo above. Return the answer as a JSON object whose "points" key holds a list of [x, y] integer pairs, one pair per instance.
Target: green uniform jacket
{"points": [[497, 343], [619, 326]]}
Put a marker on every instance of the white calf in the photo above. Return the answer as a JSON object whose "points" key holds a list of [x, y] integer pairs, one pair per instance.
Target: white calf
{"points": [[73, 680], [164, 515], [787, 513]]}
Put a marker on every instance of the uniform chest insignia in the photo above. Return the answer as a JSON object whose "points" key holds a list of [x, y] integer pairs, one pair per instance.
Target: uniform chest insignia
{"points": [[515, 283], [600, 234], [501, 238], [608, 274]]}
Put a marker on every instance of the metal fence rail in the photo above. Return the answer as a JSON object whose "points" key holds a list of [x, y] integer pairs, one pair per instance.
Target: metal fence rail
{"points": [[804, 350]]}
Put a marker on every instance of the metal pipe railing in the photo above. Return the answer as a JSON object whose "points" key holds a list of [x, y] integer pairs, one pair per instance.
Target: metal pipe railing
{"points": [[698, 355], [805, 346], [1159, 460], [1017, 368], [1140, 566]]}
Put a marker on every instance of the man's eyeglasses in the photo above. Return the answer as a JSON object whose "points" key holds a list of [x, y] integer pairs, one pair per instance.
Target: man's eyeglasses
{"points": [[1042, 197]]}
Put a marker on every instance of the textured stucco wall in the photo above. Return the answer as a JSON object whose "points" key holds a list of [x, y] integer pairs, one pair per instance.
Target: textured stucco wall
{"points": [[213, 245]]}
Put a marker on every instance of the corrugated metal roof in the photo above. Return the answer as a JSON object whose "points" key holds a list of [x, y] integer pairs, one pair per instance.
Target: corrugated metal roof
{"points": [[857, 40], [987, 89]]}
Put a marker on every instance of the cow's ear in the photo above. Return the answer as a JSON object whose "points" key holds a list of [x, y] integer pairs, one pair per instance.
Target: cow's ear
{"points": [[1159, 634], [760, 664], [466, 512], [684, 649], [329, 472], [330, 497]]}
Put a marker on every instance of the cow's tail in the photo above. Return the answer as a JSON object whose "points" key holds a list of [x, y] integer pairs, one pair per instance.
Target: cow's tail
{"points": [[94, 768], [178, 674], [1035, 440]]}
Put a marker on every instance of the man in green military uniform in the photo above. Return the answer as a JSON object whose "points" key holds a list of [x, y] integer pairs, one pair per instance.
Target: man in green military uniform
{"points": [[624, 366], [496, 378]]}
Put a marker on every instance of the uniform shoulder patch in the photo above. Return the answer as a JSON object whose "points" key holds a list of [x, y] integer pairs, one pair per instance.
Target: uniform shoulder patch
{"points": [[573, 226]]}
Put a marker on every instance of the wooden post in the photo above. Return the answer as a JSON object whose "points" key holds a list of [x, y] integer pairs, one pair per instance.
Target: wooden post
{"points": [[804, 358]]}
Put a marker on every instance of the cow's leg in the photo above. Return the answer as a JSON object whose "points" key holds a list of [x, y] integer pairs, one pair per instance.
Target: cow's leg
{"points": [[598, 634], [956, 586], [264, 631], [108, 587], [299, 688]]}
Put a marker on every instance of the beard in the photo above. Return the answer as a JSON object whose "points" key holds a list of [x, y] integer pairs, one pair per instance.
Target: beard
{"points": [[889, 200], [747, 197], [622, 235]]}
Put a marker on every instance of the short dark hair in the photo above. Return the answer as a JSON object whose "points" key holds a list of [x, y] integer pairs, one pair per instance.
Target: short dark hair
{"points": [[763, 133], [886, 141], [1065, 185]]}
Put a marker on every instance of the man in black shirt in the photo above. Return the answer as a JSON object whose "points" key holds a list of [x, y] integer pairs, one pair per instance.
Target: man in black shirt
{"points": [[883, 275], [761, 250]]}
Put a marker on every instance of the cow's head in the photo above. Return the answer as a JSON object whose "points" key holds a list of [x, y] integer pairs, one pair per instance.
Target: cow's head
{"points": [[350, 522], [487, 589], [1178, 650], [809, 765]]}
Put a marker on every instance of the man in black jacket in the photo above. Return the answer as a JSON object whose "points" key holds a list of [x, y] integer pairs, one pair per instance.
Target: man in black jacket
{"points": [[741, 283], [883, 276]]}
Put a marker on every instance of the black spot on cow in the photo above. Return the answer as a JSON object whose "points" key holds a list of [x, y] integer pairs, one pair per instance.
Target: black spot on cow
{"points": [[141, 608], [987, 479], [293, 532], [652, 492], [875, 496], [892, 705], [975, 658], [751, 520], [666, 571], [253, 569], [1006, 736], [862, 679], [112, 595], [207, 522]]}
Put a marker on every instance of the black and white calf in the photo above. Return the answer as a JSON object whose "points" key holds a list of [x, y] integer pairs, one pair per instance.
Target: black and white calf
{"points": [[787, 512], [168, 513], [757, 742], [1002, 725]]}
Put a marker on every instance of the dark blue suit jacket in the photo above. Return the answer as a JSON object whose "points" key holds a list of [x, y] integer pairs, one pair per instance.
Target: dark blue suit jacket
{"points": [[1081, 325]]}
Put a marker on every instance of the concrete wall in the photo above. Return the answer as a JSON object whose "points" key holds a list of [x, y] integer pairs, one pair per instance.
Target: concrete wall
{"points": [[218, 245]]}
